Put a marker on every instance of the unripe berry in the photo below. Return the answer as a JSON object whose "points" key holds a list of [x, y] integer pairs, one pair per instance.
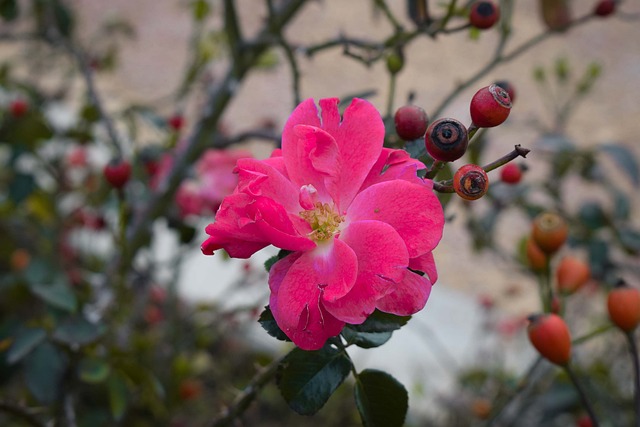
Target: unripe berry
{"points": [[605, 8], [117, 172], [536, 258], [623, 304], [571, 274], [490, 106], [484, 14], [549, 231], [550, 335], [18, 107], [411, 122], [395, 61], [446, 140], [511, 173], [470, 182], [511, 90]]}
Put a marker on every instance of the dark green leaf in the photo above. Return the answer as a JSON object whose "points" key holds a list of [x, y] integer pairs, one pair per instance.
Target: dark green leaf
{"points": [[269, 263], [592, 215], [625, 159], [77, 330], [90, 113], [27, 130], [57, 294], [93, 371], [379, 321], [64, 18], [381, 400], [308, 378], [630, 240], [365, 339], [269, 324], [598, 258], [9, 9], [44, 371], [622, 205], [25, 341], [117, 396], [21, 187]]}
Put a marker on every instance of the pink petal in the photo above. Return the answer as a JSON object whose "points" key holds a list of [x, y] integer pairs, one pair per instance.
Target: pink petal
{"points": [[427, 265], [409, 297], [396, 164], [299, 286], [258, 178], [413, 210], [382, 263]]}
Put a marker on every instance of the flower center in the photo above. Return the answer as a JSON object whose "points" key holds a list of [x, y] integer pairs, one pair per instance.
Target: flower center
{"points": [[324, 222]]}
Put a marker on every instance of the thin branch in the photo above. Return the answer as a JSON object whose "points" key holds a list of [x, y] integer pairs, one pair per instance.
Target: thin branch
{"points": [[21, 412], [382, 5], [242, 402], [583, 396], [633, 350]]}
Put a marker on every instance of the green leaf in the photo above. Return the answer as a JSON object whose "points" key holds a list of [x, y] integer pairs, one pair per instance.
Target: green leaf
{"points": [[269, 263], [21, 187], [630, 240], [308, 378], [23, 343], [201, 9], [44, 371], [93, 371], [622, 204], [9, 9], [268, 323], [118, 396], [624, 157], [57, 294], [76, 330], [365, 339], [381, 400], [379, 321], [592, 215]]}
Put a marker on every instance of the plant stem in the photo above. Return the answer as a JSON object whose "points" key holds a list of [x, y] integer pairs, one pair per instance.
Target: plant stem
{"points": [[392, 94], [582, 394], [20, 412], [633, 349], [244, 399]]}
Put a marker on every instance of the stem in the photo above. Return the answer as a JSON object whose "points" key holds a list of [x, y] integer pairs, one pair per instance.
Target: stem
{"points": [[20, 412], [633, 349], [382, 5], [582, 394], [592, 334], [250, 392], [392, 94]]}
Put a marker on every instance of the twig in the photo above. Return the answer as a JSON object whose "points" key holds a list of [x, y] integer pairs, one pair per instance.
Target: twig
{"points": [[633, 349], [246, 396], [20, 412], [583, 395]]}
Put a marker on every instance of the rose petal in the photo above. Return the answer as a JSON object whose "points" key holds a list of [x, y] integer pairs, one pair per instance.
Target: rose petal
{"points": [[413, 210], [396, 164], [257, 178], [427, 265], [409, 296]]}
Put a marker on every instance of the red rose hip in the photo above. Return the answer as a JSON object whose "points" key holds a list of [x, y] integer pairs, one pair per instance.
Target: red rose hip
{"points": [[511, 90], [446, 140], [470, 182], [484, 14], [550, 335], [549, 231], [18, 107], [623, 304], [411, 122], [605, 8], [117, 172], [511, 173], [490, 106]]}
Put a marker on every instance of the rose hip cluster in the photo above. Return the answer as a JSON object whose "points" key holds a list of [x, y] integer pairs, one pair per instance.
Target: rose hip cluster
{"points": [[447, 139]]}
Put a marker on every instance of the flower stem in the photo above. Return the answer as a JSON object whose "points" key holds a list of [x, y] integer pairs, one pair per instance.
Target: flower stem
{"points": [[582, 394], [633, 349], [392, 94]]}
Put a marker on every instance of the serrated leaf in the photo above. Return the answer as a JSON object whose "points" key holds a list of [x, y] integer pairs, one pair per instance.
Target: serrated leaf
{"points": [[268, 323], [625, 159], [23, 343], [57, 294], [93, 371], [379, 321], [307, 379], [365, 339], [44, 371], [381, 400], [77, 330], [117, 396]]}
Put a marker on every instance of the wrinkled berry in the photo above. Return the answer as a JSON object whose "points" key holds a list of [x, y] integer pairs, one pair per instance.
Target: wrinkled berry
{"points": [[446, 140], [470, 182], [484, 14]]}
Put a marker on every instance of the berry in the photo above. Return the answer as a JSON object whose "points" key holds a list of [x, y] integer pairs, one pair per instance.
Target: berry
{"points": [[536, 258], [176, 122], [511, 90], [117, 172], [484, 14], [395, 61], [470, 182], [18, 107], [511, 173], [20, 260], [411, 122], [190, 389], [605, 8], [153, 315], [556, 14], [623, 304], [549, 231], [490, 106], [571, 274], [446, 140], [584, 421], [481, 408], [550, 335]]}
